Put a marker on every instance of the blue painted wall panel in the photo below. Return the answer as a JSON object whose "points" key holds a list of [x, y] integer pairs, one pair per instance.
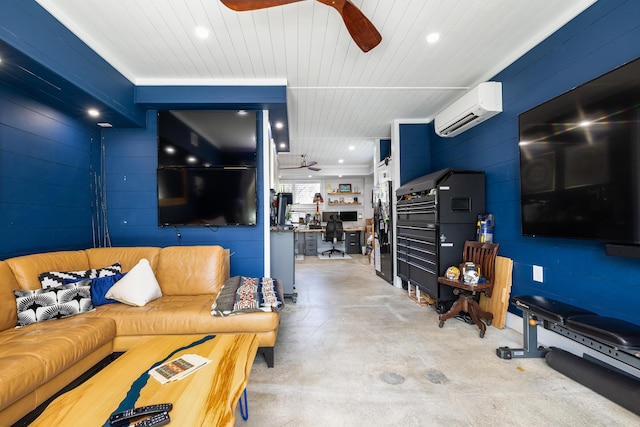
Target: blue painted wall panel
{"points": [[131, 164], [414, 151], [44, 178], [576, 271]]}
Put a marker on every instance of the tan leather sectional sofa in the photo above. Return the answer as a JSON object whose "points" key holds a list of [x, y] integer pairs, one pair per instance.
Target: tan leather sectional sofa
{"points": [[40, 359]]}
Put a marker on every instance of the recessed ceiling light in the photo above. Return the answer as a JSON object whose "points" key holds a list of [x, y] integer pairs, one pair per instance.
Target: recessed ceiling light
{"points": [[192, 159], [351, 147], [279, 125], [93, 112], [341, 161], [585, 123], [201, 32], [309, 176], [169, 150], [105, 124], [242, 112], [283, 145], [433, 37]]}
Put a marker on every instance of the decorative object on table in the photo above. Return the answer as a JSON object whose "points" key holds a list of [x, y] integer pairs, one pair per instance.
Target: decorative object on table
{"points": [[453, 273], [317, 199], [344, 188]]}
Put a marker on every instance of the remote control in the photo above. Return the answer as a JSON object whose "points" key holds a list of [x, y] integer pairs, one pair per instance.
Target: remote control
{"points": [[156, 420], [125, 417]]}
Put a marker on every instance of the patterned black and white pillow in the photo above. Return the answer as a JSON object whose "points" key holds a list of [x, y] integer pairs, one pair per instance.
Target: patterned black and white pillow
{"points": [[52, 279], [110, 270], [53, 303]]}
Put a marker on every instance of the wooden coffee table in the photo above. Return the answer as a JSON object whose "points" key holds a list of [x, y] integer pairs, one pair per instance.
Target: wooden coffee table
{"points": [[208, 397]]}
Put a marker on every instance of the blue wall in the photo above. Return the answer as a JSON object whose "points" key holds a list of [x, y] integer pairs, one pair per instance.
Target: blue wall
{"points": [[130, 165], [603, 37], [45, 197], [414, 151]]}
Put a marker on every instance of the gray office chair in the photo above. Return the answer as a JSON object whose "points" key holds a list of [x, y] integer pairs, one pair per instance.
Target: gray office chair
{"points": [[333, 233]]}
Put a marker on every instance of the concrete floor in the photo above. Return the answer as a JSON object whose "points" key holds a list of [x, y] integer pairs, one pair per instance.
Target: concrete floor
{"points": [[355, 351]]}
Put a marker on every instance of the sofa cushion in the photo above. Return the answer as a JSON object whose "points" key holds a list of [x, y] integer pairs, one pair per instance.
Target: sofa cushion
{"points": [[192, 270], [138, 287], [37, 305], [37, 353], [100, 286], [182, 314], [50, 279]]}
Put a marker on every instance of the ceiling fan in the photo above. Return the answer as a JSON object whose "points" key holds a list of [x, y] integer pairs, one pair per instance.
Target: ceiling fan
{"points": [[305, 164], [362, 31]]}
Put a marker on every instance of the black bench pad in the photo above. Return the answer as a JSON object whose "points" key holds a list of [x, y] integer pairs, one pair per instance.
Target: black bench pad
{"points": [[615, 332], [549, 309]]}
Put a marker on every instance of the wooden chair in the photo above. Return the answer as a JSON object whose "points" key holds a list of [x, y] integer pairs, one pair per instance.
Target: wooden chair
{"points": [[484, 256]]}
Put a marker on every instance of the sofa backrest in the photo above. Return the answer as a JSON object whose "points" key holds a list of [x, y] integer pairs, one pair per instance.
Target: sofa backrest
{"points": [[27, 268], [192, 270], [180, 270], [8, 311], [127, 257]]}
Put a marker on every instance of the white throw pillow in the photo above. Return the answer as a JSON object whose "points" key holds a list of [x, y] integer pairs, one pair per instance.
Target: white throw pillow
{"points": [[138, 287]]}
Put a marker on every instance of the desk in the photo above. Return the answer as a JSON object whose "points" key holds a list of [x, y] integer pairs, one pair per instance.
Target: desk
{"points": [[311, 240]]}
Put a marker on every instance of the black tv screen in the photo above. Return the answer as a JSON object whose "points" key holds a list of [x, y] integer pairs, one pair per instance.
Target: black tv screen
{"points": [[207, 196], [349, 215], [207, 138], [207, 167], [580, 161]]}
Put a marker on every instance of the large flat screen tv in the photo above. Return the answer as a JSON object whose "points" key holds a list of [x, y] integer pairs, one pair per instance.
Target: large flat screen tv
{"points": [[207, 138], [207, 167], [207, 196], [580, 161]]}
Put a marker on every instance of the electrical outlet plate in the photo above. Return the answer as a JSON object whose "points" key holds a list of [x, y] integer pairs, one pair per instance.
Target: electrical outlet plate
{"points": [[537, 273]]}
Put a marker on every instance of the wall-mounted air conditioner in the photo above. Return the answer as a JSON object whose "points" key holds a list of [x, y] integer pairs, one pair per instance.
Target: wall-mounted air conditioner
{"points": [[474, 107]]}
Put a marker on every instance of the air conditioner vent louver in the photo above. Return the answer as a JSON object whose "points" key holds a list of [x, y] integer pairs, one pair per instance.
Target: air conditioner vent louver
{"points": [[479, 104], [460, 123]]}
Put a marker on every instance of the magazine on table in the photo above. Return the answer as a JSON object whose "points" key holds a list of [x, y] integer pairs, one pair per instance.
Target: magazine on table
{"points": [[178, 368]]}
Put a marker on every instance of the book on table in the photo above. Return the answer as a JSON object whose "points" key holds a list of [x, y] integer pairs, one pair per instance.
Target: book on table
{"points": [[178, 368]]}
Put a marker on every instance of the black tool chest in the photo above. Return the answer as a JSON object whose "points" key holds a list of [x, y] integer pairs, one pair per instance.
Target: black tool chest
{"points": [[436, 214]]}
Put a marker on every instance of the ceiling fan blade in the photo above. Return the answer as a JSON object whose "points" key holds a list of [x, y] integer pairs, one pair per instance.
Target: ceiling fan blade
{"points": [[362, 31], [245, 5], [313, 169], [311, 164]]}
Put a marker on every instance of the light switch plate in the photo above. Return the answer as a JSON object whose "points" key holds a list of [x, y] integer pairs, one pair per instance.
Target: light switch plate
{"points": [[537, 273]]}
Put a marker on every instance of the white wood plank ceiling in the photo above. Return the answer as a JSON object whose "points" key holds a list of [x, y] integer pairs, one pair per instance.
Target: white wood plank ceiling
{"points": [[338, 96]]}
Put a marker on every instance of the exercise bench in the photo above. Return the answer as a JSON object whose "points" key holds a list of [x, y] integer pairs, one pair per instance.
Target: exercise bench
{"points": [[615, 338], [618, 339]]}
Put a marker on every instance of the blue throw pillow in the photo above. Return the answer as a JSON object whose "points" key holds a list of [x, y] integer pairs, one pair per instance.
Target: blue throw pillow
{"points": [[100, 286]]}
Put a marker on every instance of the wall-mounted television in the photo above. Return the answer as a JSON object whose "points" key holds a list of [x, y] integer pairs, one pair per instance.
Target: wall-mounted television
{"points": [[580, 161], [207, 167], [207, 196], [207, 138]]}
